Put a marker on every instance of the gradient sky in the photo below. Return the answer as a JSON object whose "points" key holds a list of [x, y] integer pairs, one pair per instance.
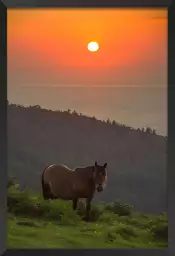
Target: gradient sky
{"points": [[49, 47]]}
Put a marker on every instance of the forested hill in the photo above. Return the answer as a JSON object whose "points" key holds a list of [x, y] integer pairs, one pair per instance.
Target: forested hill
{"points": [[136, 159]]}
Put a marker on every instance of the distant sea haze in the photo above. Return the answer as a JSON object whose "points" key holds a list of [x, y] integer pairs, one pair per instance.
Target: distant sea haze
{"points": [[136, 107]]}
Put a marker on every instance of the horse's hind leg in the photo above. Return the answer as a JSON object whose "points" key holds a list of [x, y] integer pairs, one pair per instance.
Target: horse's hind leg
{"points": [[74, 205], [46, 192]]}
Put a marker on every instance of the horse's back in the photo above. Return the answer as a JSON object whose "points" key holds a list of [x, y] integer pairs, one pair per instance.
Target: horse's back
{"points": [[56, 172], [58, 178], [83, 173]]}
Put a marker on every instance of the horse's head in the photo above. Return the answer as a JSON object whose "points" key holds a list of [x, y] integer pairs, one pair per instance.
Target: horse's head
{"points": [[100, 176]]}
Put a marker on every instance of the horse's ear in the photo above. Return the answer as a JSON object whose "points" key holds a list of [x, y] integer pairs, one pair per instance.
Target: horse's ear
{"points": [[105, 165], [95, 163]]}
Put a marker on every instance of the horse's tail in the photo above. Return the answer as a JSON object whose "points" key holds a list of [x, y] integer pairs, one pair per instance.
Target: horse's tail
{"points": [[45, 187]]}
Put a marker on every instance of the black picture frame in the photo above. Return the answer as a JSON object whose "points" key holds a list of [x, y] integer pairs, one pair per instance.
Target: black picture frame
{"points": [[3, 124]]}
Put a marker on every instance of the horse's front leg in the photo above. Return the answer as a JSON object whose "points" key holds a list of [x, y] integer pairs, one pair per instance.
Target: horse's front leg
{"points": [[74, 205], [88, 208]]}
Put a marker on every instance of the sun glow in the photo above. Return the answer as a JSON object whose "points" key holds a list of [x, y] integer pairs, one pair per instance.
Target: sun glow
{"points": [[93, 46], [101, 49]]}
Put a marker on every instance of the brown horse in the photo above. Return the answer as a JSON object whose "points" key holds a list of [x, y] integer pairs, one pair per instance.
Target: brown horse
{"points": [[59, 181]]}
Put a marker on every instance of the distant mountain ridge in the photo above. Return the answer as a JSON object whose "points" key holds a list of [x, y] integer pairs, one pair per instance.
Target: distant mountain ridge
{"points": [[136, 159]]}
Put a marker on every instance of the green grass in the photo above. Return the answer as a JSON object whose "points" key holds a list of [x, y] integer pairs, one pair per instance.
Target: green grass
{"points": [[35, 223]]}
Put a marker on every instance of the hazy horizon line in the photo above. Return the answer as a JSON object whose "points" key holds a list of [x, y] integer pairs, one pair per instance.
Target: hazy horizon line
{"points": [[90, 86]]}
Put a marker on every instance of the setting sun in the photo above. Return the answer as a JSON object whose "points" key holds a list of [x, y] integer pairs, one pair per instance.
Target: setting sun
{"points": [[93, 46]]}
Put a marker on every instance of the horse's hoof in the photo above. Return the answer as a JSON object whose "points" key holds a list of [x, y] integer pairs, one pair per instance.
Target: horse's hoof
{"points": [[85, 219]]}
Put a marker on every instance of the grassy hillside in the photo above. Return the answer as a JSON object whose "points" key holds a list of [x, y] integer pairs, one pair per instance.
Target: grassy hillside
{"points": [[34, 223], [136, 159]]}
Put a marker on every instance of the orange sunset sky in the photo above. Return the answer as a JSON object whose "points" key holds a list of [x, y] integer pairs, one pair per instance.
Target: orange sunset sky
{"points": [[49, 47]]}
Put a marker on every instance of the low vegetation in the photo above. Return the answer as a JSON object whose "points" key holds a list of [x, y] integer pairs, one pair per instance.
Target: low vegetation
{"points": [[35, 223]]}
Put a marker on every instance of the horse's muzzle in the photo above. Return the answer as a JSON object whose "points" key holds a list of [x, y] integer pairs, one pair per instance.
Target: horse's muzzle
{"points": [[99, 188]]}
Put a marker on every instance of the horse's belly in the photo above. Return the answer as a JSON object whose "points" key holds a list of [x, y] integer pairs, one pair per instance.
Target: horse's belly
{"points": [[82, 193], [63, 194], [63, 197], [66, 193], [61, 190]]}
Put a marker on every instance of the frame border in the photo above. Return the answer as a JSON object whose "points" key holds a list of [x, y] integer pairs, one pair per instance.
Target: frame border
{"points": [[3, 125], [3, 114], [85, 3]]}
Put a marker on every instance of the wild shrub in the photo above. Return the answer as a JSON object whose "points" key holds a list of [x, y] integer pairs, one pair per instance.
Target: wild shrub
{"points": [[127, 231], [158, 226], [108, 217], [121, 230], [95, 213], [120, 209], [160, 231], [22, 203]]}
